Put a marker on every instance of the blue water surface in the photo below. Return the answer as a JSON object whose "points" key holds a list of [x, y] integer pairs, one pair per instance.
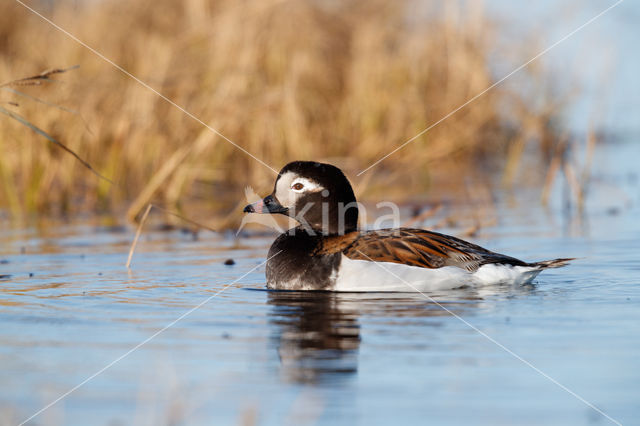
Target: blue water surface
{"points": [[546, 353]]}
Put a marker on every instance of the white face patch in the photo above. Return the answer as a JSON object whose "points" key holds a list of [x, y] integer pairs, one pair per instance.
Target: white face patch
{"points": [[292, 186]]}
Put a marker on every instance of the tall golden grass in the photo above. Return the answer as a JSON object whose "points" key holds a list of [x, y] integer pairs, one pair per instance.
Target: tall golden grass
{"points": [[344, 82]]}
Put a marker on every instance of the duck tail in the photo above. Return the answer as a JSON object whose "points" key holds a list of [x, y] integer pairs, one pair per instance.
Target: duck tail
{"points": [[555, 263]]}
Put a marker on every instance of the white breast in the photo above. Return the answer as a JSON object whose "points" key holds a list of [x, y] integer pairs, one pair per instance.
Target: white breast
{"points": [[365, 275]]}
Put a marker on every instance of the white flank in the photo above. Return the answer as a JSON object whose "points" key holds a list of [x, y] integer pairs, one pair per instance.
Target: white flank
{"points": [[365, 275]]}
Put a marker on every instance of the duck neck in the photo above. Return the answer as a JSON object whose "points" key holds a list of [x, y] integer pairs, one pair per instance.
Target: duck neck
{"points": [[338, 219]]}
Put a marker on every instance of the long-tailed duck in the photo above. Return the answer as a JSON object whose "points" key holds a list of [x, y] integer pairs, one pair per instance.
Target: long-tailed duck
{"points": [[328, 252]]}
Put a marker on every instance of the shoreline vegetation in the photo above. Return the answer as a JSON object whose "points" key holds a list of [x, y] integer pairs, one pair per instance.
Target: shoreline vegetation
{"points": [[340, 82]]}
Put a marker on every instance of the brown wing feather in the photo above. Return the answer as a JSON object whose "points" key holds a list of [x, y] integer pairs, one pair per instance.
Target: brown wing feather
{"points": [[336, 243], [418, 247]]}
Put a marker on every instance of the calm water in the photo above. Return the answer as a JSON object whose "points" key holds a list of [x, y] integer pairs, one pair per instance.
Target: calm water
{"points": [[70, 308]]}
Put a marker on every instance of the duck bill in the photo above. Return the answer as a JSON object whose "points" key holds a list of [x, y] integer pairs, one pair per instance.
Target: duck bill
{"points": [[268, 205]]}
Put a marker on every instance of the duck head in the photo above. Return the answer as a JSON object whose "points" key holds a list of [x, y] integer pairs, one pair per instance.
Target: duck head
{"points": [[317, 195]]}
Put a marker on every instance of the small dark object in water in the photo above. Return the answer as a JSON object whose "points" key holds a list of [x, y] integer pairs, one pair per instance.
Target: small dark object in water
{"points": [[192, 232], [3, 261], [5, 276], [229, 262], [226, 336], [613, 211], [30, 274], [165, 227], [116, 229], [99, 274]]}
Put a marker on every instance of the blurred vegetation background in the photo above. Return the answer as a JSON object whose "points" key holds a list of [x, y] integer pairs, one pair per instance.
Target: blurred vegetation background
{"points": [[338, 81]]}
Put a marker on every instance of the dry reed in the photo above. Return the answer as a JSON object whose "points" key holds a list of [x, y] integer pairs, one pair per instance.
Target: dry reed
{"points": [[344, 82]]}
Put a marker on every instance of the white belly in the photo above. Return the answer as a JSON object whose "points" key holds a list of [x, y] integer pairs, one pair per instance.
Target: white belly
{"points": [[365, 275]]}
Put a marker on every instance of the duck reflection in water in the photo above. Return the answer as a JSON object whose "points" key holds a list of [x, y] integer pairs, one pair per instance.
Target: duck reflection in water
{"points": [[317, 335]]}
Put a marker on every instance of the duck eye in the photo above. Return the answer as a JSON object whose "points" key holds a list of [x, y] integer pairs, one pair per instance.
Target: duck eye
{"points": [[297, 186]]}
